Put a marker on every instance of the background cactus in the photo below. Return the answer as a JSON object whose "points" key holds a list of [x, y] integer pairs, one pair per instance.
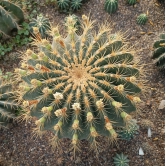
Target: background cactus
{"points": [[11, 16], [159, 52], [142, 19], [128, 133], [42, 24], [131, 2], [8, 104], [121, 160], [80, 87], [76, 4], [64, 4], [111, 6]]}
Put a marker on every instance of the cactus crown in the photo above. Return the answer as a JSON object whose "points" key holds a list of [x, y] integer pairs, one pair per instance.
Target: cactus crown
{"points": [[11, 15], [121, 160], [80, 87], [159, 52], [142, 19]]}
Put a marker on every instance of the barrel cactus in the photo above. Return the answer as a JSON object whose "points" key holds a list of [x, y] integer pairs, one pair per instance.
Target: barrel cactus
{"points": [[131, 2], [76, 4], [121, 160], [64, 4], [80, 87], [8, 104], [142, 19], [111, 6], [42, 24], [11, 15], [159, 52]]}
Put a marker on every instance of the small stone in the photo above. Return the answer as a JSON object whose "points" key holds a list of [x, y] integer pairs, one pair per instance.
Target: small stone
{"points": [[162, 105], [141, 153]]}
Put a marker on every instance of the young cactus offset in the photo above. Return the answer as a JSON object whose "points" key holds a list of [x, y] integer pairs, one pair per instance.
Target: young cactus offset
{"points": [[131, 2], [80, 87], [121, 160], [128, 133], [142, 19], [159, 52], [8, 104], [111, 6], [42, 24], [11, 16], [76, 4], [64, 4]]}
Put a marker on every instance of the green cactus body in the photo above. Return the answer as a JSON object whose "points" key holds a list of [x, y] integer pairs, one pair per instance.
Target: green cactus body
{"points": [[128, 133], [111, 6], [76, 4], [159, 52], [142, 19], [90, 82], [42, 24], [131, 2], [8, 104], [121, 160], [11, 16], [64, 4]]}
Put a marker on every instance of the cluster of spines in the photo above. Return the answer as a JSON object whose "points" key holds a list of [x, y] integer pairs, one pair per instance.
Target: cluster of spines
{"points": [[66, 84]]}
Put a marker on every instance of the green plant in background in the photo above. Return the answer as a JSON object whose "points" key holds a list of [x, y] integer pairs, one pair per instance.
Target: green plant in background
{"points": [[128, 133], [11, 16], [159, 52], [142, 19], [64, 4], [111, 6], [76, 4], [8, 104], [7, 76], [131, 2], [42, 24], [121, 160], [21, 38], [80, 87]]}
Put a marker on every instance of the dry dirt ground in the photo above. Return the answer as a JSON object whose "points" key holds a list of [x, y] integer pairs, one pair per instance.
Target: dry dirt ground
{"points": [[19, 148]]}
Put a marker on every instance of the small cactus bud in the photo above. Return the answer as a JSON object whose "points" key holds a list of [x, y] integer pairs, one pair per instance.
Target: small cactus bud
{"points": [[125, 116], [47, 109], [75, 139], [89, 117], [58, 112], [58, 96], [100, 104], [113, 133], [46, 44], [93, 132], [76, 106], [40, 122], [47, 91], [35, 30], [26, 103], [36, 82], [75, 124], [24, 88], [108, 126], [58, 126], [20, 71], [117, 104], [136, 99]]}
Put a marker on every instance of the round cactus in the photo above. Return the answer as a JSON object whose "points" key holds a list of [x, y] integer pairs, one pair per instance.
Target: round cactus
{"points": [[159, 53], [42, 24], [8, 103], [131, 2], [142, 19], [128, 133], [76, 4], [121, 160], [64, 4], [111, 6], [80, 87]]}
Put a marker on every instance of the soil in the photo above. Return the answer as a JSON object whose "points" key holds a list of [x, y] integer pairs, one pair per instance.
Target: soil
{"points": [[18, 146]]}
